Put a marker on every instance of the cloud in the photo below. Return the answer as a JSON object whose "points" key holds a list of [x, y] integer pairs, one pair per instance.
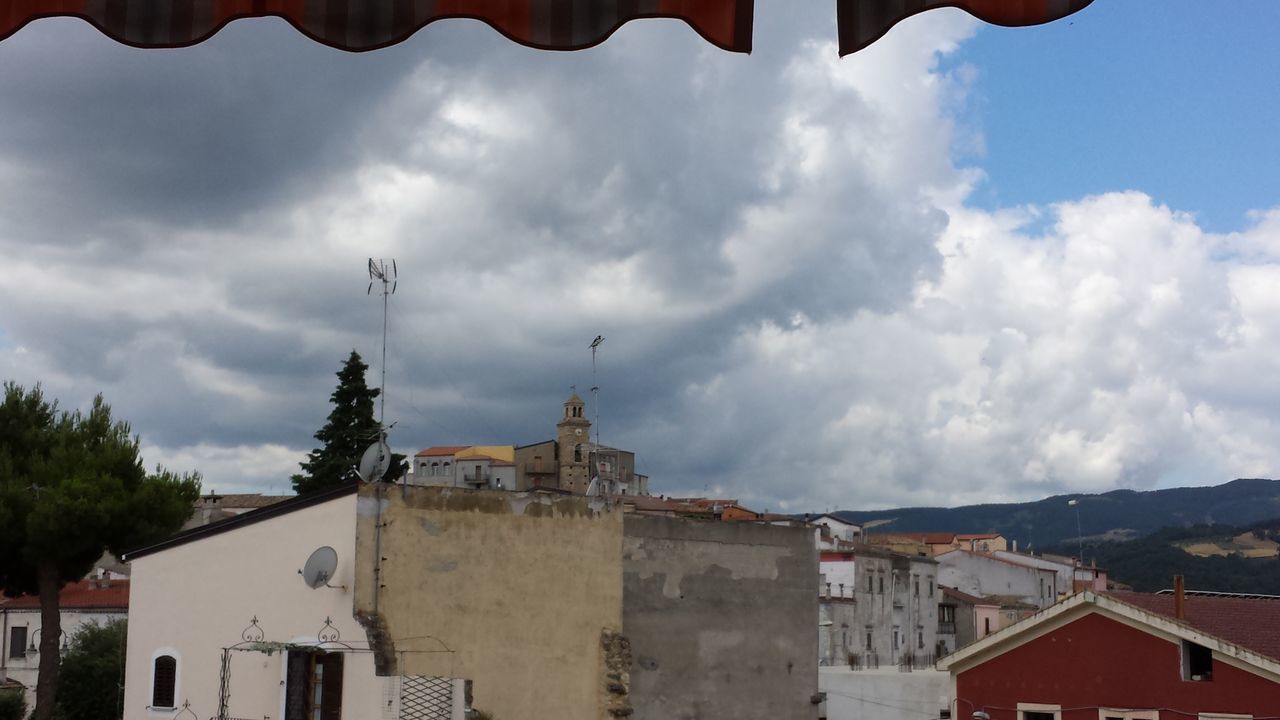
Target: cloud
{"points": [[801, 309]]}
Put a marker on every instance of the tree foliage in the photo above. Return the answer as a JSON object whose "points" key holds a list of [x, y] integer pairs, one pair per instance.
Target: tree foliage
{"points": [[13, 706], [348, 432], [72, 486], [92, 674]]}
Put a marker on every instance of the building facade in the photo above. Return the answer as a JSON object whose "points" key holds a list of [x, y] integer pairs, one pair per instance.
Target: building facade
{"points": [[985, 576], [882, 608]]}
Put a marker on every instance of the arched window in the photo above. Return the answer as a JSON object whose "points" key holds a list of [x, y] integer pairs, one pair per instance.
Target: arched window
{"points": [[164, 681], [445, 468], [435, 468], [577, 452]]}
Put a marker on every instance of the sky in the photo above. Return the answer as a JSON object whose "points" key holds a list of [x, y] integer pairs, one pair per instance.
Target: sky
{"points": [[967, 264]]}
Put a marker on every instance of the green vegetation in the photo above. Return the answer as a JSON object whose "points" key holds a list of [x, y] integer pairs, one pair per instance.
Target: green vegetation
{"points": [[349, 431], [12, 705], [72, 486], [1148, 564], [93, 674]]}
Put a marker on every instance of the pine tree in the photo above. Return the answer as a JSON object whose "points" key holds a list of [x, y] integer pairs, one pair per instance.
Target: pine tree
{"points": [[349, 431], [71, 486]]}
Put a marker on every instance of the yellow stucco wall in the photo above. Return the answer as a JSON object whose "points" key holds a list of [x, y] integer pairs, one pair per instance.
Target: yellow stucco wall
{"points": [[506, 453], [519, 586]]}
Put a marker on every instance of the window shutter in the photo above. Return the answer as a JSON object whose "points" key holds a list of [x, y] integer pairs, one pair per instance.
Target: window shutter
{"points": [[165, 675], [331, 691]]}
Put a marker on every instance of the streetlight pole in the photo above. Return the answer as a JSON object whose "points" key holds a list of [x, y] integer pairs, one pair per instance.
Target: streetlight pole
{"points": [[1075, 503]]}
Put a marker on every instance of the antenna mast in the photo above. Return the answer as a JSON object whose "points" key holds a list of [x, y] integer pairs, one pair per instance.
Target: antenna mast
{"points": [[380, 272], [595, 388]]}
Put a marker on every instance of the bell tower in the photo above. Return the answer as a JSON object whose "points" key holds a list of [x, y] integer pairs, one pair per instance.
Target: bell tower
{"points": [[573, 434]]}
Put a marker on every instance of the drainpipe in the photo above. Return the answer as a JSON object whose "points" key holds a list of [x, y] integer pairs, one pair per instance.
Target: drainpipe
{"points": [[4, 646], [1179, 599]]}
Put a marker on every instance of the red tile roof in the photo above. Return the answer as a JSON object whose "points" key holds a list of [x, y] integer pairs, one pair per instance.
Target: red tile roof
{"points": [[78, 596], [1252, 623], [442, 450], [928, 538]]}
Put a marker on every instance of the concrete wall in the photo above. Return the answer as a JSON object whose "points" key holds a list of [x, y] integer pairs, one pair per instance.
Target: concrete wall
{"points": [[885, 694], [721, 619], [838, 631], [523, 590]]}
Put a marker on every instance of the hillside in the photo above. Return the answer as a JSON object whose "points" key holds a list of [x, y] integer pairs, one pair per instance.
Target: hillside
{"points": [[1122, 513], [1149, 563]]}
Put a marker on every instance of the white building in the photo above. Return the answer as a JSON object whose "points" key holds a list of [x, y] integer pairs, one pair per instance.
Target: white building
{"points": [[835, 531], [465, 466], [983, 575], [224, 624], [97, 601]]}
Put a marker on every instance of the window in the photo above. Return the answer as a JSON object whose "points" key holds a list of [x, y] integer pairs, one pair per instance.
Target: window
{"points": [[930, 587], [435, 468], [946, 613], [881, 584], [313, 686], [444, 469], [896, 635], [986, 626], [1037, 711], [871, 584], [1110, 714], [868, 639], [1197, 662], [916, 581], [18, 641], [164, 681], [577, 453], [920, 645]]}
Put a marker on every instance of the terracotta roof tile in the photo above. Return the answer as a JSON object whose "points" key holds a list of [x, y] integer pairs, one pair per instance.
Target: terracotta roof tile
{"points": [[78, 595], [1252, 623], [442, 450]]}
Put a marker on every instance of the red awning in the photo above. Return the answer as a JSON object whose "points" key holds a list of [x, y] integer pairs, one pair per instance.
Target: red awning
{"points": [[360, 25], [372, 24], [862, 22]]}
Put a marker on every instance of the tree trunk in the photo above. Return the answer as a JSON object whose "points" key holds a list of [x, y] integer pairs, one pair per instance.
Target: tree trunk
{"points": [[47, 580]]}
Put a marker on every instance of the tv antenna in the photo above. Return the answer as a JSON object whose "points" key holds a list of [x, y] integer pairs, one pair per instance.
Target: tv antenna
{"points": [[595, 388], [380, 272]]}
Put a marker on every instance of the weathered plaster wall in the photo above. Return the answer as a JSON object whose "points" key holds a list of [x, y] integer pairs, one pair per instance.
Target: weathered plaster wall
{"points": [[885, 694], [525, 589], [721, 619]]}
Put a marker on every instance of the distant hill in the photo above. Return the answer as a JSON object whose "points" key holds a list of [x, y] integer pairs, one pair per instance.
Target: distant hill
{"points": [[1120, 513], [1149, 563]]}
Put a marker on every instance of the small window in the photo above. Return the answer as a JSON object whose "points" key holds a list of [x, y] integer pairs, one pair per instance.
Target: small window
{"points": [[577, 453], [881, 584], [896, 636], [18, 641], [871, 584], [986, 626], [930, 587], [921, 643], [1197, 662], [868, 640], [916, 590], [1036, 711], [164, 680]]}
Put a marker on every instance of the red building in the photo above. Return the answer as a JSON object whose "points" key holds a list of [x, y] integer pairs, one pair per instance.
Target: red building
{"points": [[1126, 656]]}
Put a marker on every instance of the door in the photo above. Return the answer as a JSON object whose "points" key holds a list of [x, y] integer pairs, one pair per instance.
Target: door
{"points": [[313, 686]]}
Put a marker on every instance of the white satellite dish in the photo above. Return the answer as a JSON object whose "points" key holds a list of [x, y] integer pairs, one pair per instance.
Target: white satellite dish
{"points": [[375, 461], [320, 567]]}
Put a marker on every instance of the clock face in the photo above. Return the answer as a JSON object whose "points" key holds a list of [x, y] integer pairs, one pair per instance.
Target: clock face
{"points": [[577, 431]]}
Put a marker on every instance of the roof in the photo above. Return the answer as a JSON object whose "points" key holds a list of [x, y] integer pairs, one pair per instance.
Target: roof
{"points": [[1253, 623], [964, 597], [928, 538], [977, 536], [441, 450], [253, 516], [79, 595], [244, 500], [997, 558], [1248, 634]]}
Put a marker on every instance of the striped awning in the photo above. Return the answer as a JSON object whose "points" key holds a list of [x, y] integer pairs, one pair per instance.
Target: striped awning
{"points": [[862, 22], [360, 25]]}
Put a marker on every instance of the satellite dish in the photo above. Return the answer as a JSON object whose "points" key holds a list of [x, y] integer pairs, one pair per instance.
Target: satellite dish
{"points": [[375, 461], [320, 566]]}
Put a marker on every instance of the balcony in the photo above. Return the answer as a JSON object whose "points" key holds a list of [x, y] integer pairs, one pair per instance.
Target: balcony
{"points": [[477, 478], [946, 628]]}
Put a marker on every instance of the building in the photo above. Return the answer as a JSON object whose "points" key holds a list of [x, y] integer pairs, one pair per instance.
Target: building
{"points": [[571, 461], [482, 467], [563, 606], [1072, 576], [834, 531], [1128, 656], [213, 507], [984, 575], [877, 608], [225, 624], [95, 601], [936, 543]]}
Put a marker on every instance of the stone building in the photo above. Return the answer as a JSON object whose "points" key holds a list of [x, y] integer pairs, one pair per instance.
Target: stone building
{"points": [[571, 461]]}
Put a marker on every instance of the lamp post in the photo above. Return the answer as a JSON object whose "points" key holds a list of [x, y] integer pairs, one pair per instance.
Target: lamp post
{"points": [[34, 648], [1075, 503]]}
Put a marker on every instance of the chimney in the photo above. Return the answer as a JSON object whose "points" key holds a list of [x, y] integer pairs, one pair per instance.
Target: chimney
{"points": [[1015, 546], [1179, 600]]}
